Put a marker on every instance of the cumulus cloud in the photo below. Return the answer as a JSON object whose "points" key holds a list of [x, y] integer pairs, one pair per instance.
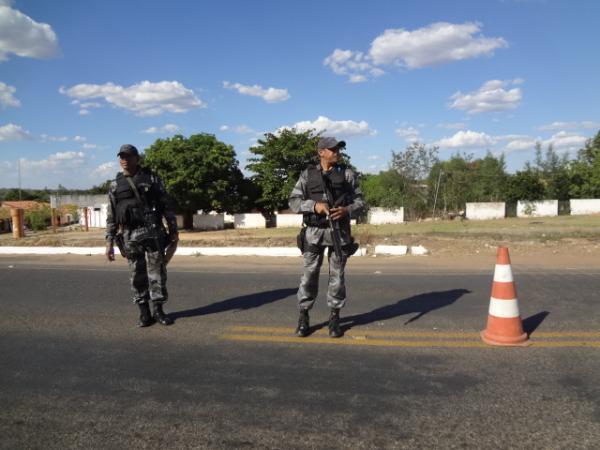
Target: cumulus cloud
{"points": [[12, 132], [490, 97], [105, 170], [453, 125], [60, 161], [239, 129], [521, 143], [340, 128], [168, 128], [467, 139], [570, 125], [22, 36], [6, 96], [565, 141], [409, 134], [269, 95], [143, 99], [438, 43]]}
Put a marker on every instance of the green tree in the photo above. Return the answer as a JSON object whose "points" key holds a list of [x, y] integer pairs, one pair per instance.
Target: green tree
{"points": [[524, 185], [279, 160], [584, 172], [383, 190], [553, 172], [199, 172]]}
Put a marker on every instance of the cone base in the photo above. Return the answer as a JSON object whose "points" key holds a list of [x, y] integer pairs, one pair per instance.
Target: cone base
{"points": [[513, 341]]}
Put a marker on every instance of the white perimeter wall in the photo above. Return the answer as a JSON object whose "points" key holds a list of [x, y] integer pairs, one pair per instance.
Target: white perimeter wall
{"points": [[585, 206], [209, 221], [380, 216], [96, 216], [289, 220], [540, 208], [486, 210], [249, 221]]}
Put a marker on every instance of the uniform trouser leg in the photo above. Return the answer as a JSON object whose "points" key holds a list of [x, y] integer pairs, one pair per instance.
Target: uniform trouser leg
{"points": [[309, 283], [157, 276], [139, 277], [336, 291]]}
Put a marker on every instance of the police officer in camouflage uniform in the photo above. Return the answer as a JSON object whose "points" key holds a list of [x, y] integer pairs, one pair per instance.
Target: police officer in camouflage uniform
{"points": [[308, 197], [135, 217]]}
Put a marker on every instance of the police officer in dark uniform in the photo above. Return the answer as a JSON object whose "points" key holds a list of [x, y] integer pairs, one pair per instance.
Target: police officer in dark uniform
{"points": [[309, 198], [137, 204]]}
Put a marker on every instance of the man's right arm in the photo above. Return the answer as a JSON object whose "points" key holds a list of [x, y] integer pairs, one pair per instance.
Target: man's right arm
{"points": [[299, 201], [111, 226]]}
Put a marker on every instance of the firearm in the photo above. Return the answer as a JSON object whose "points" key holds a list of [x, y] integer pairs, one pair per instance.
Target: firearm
{"points": [[334, 225]]}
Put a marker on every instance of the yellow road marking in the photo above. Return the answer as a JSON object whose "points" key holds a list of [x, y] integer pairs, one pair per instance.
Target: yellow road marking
{"points": [[393, 343], [416, 334]]}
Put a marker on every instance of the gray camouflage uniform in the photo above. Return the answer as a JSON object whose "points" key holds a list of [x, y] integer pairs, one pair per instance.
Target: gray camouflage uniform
{"points": [[318, 239], [145, 244]]}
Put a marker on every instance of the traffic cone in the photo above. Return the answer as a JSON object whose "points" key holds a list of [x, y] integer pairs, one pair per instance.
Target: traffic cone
{"points": [[504, 326]]}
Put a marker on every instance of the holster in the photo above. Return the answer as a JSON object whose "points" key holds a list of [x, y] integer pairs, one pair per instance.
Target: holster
{"points": [[301, 239]]}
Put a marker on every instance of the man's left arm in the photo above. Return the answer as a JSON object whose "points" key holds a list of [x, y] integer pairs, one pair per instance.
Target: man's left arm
{"points": [[166, 207], [356, 205]]}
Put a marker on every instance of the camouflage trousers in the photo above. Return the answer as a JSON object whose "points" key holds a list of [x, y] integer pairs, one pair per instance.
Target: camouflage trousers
{"points": [[145, 254], [309, 283]]}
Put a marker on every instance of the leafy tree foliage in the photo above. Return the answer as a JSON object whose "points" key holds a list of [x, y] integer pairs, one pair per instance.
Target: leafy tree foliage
{"points": [[279, 160], [199, 172]]}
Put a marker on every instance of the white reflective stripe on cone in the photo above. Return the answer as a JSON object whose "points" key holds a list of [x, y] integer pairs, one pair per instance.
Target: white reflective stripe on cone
{"points": [[503, 273], [504, 308]]}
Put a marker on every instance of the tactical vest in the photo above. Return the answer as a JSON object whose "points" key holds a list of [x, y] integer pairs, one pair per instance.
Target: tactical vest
{"points": [[129, 212], [339, 190]]}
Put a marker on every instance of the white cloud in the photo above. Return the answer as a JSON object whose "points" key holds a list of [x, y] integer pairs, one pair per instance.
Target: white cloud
{"points": [[6, 96], [453, 125], [105, 170], [88, 146], [521, 143], [570, 125], [565, 141], [59, 162], [269, 95], [438, 43], [409, 134], [467, 139], [143, 99], [22, 36], [490, 97], [239, 129], [12, 132], [340, 128], [168, 128]]}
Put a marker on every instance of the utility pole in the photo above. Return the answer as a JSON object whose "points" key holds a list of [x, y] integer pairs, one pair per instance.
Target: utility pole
{"points": [[437, 188], [19, 166]]}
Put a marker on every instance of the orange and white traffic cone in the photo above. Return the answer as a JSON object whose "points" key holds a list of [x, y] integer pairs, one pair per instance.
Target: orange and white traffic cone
{"points": [[504, 326]]}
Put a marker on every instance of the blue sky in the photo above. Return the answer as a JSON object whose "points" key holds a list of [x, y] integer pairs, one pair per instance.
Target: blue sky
{"points": [[80, 78]]}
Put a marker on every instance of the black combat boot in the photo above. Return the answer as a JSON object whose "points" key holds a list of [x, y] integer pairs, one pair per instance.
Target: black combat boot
{"points": [[145, 316], [160, 316], [303, 325], [334, 324]]}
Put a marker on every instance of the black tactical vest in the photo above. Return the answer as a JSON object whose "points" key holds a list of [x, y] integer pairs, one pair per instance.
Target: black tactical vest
{"points": [[339, 191], [129, 211]]}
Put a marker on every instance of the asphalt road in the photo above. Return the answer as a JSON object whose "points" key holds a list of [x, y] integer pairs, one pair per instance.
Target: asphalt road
{"points": [[411, 371]]}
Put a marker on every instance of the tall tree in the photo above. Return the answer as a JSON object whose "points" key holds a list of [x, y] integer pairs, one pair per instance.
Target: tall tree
{"points": [[279, 160], [199, 172]]}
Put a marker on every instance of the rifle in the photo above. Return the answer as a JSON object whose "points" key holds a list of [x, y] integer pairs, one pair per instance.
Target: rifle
{"points": [[334, 225]]}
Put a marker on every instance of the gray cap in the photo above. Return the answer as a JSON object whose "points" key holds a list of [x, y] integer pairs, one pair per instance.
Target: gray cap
{"points": [[330, 142], [129, 149]]}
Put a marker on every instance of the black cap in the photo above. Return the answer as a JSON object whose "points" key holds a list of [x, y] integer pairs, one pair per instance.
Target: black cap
{"points": [[330, 142], [129, 149]]}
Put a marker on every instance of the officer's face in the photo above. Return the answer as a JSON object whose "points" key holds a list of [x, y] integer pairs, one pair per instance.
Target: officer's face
{"points": [[128, 162], [330, 155]]}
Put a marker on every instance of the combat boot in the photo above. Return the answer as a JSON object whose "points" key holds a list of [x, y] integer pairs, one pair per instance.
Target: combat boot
{"points": [[335, 330], [160, 316], [145, 316], [303, 324]]}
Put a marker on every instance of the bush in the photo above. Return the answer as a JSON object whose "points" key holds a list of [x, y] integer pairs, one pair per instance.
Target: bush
{"points": [[38, 219]]}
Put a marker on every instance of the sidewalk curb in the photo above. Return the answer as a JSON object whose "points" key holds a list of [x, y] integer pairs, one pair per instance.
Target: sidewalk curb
{"points": [[196, 251]]}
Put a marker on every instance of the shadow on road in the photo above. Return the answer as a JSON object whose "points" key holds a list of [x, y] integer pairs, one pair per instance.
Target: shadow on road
{"points": [[531, 323], [236, 303], [420, 304]]}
